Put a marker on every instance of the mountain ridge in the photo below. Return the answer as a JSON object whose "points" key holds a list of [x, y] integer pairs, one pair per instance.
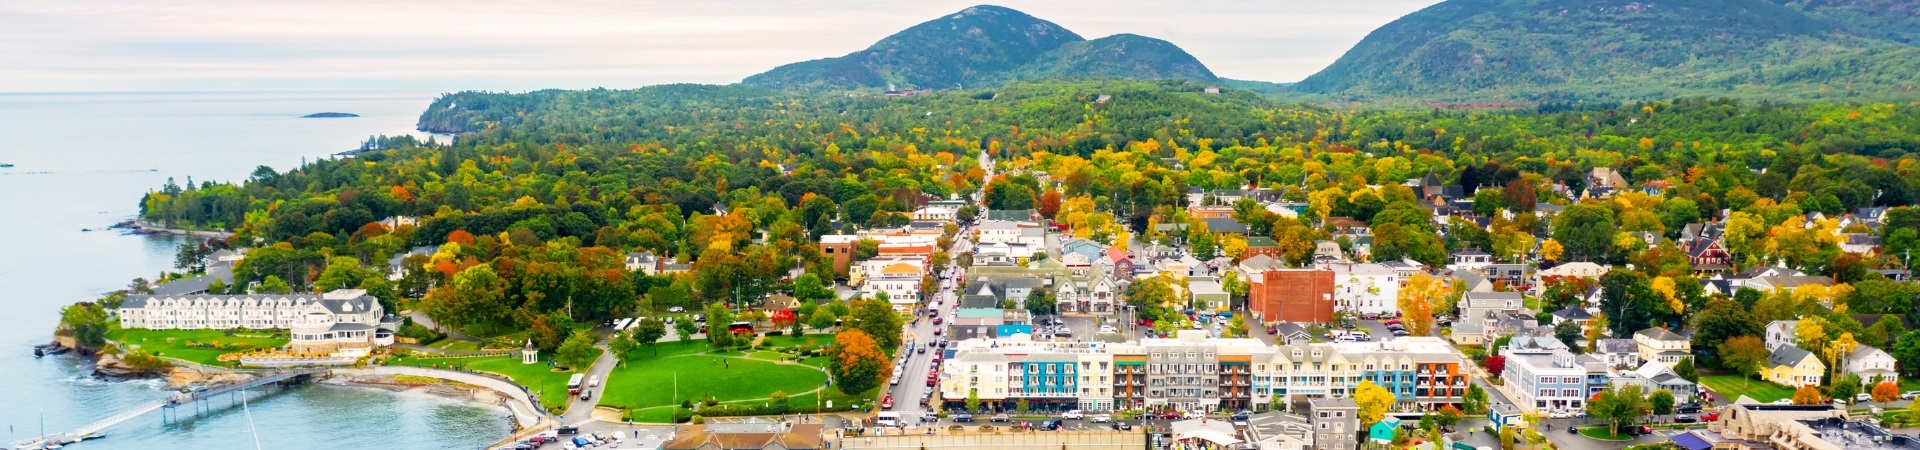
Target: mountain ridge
{"points": [[987, 45]]}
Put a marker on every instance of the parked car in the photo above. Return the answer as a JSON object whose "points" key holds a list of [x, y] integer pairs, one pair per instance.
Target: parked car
{"points": [[1122, 426], [1102, 418], [676, 309], [1392, 322], [1910, 395], [1170, 415], [896, 380], [1240, 418], [1710, 416], [567, 429], [1074, 414], [1862, 397], [1559, 414], [1001, 417], [1051, 424], [1687, 408], [1639, 430], [1783, 402], [1685, 419], [963, 417]]}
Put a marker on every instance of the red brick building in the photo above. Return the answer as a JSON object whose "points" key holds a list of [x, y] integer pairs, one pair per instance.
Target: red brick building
{"points": [[1292, 295], [840, 247]]}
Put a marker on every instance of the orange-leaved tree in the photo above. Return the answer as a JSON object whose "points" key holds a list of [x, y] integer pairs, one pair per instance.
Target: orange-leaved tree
{"points": [[1806, 395], [856, 362], [1886, 391]]}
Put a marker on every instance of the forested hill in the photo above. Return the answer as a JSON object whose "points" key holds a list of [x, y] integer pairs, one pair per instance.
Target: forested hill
{"points": [[1469, 50], [985, 46], [547, 190]]}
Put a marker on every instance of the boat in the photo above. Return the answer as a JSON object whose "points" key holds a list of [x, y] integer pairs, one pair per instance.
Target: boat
{"points": [[5, 165]]}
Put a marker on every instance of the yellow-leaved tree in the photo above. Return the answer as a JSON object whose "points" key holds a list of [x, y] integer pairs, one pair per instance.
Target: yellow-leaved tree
{"points": [[1374, 402], [1551, 250], [1418, 299]]}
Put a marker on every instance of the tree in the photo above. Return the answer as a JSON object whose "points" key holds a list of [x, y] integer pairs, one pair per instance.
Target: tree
{"points": [[857, 362], [1039, 302], [1662, 401], [778, 399], [822, 319], [1744, 354], [1686, 371], [686, 329], [1448, 416], [1551, 250], [86, 322], [718, 319], [1886, 391], [621, 345], [578, 351], [1586, 231], [1374, 402], [272, 284], [1908, 349], [973, 399], [1496, 365], [1419, 299], [1476, 400], [649, 333], [1846, 388], [1569, 333], [1619, 406], [879, 321], [809, 287], [1020, 405], [1807, 395]]}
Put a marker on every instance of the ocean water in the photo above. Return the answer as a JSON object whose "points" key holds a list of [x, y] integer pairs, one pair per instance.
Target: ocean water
{"points": [[81, 162]]}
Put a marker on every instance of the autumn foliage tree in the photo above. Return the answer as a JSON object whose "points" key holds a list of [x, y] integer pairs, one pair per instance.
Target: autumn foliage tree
{"points": [[1746, 354], [1886, 391], [856, 361], [1807, 395], [1418, 299]]}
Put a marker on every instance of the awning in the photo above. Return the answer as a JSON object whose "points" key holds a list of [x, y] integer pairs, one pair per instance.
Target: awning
{"points": [[1214, 436]]}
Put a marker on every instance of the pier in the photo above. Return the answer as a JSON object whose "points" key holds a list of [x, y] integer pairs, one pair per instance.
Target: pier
{"points": [[168, 407]]}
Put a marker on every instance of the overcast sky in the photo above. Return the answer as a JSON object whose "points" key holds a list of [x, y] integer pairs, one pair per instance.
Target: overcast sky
{"points": [[226, 45]]}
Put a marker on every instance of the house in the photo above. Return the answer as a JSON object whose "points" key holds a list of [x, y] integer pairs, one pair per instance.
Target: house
{"points": [[1382, 432], [1539, 340], [396, 265], [1119, 263], [1770, 283], [1708, 257], [1573, 313], [1546, 381], [1011, 215], [1618, 352], [644, 262], [1261, 245], [1860, 243], [747, 433], [1872, 365], [1741, 278], [1482, 311], [1291, 334], [1207, 295], [1779, 332], [1790, 366], [1366, 289], [1199, 212], [345, 322], [899, 278], [1602, 181], [1327, 252], [1515, 275], [1226, 225], [1655, 375], [840, 247], [1658, 344], [1335, 422], [1470, 259], [937, 214], [1574, 270], [1347, 227]]}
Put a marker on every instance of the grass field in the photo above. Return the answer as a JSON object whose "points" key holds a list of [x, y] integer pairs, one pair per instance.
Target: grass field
{"points": [[551, 386], [173, 343], [1602, 433], [1733, 386], [649, 380]]}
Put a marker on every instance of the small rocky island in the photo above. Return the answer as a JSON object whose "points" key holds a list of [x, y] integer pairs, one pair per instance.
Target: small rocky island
{"points": [[328, 115]]}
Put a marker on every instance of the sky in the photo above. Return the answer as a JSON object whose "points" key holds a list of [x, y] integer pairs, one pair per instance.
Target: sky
{"points": [[442, 45]]}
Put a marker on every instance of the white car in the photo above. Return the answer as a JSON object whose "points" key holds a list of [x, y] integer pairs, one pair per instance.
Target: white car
{"points": [[1072, 415], [1102, 418], [593, 381], [1108, 329], [1783, 402], [1560, 414], [676, 309]]}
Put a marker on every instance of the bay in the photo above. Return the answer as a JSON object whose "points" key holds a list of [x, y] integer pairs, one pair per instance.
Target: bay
{"points": [[82, 162]]}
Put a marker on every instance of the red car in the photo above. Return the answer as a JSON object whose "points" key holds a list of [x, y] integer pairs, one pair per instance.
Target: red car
{"points": [[931, 381], [1710, 416], [1146, 322], [937, 320], [887, 402], [1392, 322]]}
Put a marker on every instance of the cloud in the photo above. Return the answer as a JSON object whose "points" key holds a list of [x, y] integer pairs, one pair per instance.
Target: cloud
{"points": [[98, 45]]}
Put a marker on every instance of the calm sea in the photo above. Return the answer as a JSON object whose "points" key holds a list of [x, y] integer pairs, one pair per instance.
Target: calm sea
{"points": [[82, 161]]}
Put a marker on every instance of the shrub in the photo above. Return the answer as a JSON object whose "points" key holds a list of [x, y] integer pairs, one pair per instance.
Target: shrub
{"points": [[776, 333]]}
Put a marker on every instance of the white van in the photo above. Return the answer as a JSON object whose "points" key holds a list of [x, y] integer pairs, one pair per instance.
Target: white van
{"points": [[593, 382], [887, 419]]}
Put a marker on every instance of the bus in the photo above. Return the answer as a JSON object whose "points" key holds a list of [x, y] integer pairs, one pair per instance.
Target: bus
{"points": [[573, 384], [887, 419], [741, 328]]}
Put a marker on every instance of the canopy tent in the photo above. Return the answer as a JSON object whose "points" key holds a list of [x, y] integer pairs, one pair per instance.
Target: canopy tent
{"points": [[1216, 432]]}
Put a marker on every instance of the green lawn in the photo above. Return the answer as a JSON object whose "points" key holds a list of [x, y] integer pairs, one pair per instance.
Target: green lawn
{"points": [[551, 386], [649, 380], [173, 343], [456, 345], [1733, 386], [1601, 432]]}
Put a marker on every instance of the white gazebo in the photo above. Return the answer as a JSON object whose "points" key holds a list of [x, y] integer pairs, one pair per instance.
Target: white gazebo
{"points": [[529, 354]]}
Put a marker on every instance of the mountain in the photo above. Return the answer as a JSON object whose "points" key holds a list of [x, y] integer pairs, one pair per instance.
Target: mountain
{"points": [[987, 45], [1547, 49]]}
